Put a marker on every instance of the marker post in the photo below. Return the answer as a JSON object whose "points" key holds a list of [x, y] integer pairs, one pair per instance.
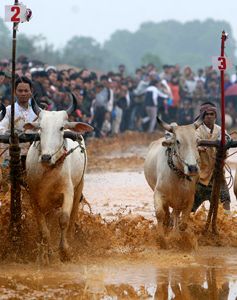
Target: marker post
{"points": [[14, 151], [15, 13], [222, 146]]}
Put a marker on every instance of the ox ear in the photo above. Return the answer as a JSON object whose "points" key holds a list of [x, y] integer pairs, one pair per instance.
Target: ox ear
{"points": [[78, 127], [168, 143], [31, 126], [169, 139]]}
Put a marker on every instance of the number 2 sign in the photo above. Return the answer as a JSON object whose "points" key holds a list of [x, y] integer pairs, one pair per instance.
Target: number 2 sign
{"points": [[15, 13]]}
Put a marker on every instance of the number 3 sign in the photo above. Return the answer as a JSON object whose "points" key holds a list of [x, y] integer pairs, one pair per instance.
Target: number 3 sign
{"points": [[221, 63], [15, 13]]}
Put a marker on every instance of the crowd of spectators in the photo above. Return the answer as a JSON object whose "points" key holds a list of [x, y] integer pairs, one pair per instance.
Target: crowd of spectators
{"points": [[114, 102]]}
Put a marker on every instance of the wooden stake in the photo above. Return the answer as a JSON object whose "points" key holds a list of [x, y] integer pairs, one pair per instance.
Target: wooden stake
{"points": [[15, 166], [218, 173]]}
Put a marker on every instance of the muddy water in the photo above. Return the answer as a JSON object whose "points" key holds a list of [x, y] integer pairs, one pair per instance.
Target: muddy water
{"points": [[125, 278], [113, 193], [116, 254]]}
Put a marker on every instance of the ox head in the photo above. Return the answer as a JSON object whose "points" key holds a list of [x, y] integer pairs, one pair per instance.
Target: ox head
{"points": [[3, 112], [182, 139], [51, 126]]}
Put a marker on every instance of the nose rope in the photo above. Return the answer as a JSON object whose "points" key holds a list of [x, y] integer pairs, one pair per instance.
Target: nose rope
{"points": [[62, 146], [66, 152], [175, 153], [180, 159], [172, 166]]}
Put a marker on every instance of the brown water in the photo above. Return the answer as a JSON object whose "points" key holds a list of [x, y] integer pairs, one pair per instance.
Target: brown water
{"points": [[125, 278], [115, 253]]}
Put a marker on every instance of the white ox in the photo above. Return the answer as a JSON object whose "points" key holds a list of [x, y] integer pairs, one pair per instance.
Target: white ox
{"points": [[54, 177], [171, 170]]}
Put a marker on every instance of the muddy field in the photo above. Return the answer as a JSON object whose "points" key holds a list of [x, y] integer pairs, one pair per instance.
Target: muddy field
{"points": [[115, 251]]}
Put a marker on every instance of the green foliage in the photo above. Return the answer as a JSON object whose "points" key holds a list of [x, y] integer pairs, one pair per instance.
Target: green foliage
{"points": [[84, 52], [5, 45], [153, 59], [25, 45], [192, 43], [44, 51]]}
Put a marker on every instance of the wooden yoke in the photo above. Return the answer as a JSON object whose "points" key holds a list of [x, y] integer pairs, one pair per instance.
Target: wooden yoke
{"points": [[33, 137]]}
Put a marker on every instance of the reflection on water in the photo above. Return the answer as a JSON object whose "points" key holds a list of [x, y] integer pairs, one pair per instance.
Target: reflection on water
{"points": [[113, 280], [198, 286]]}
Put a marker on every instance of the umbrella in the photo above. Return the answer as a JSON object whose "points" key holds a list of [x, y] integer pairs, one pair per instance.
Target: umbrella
{"points": [[231, 90]]}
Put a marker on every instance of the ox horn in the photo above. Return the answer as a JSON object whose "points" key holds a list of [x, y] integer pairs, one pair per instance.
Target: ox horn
{"points": [[73, 106], [35, 107], [3, 112], [199, 121], [164, 125]]}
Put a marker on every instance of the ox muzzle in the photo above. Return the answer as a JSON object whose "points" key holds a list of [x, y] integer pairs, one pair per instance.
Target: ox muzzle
{"points": [[192, 170], [46, 158]]}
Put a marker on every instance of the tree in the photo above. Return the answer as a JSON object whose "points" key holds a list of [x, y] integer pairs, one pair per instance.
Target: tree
{"points": [[192, 43], [84, 52], [5, 44], [25, 45], [150, 58]]}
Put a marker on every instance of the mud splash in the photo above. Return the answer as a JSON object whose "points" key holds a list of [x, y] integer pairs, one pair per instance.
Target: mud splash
{"points": [[126, 233], [115, 250], [122, 217]]}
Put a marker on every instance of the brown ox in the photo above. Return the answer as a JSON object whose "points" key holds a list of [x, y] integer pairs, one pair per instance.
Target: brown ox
{"points": [[171, 170]]}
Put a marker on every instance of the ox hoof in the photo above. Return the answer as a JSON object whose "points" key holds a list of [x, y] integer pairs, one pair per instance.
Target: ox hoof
{"points": [[44, 254], [183, 226], [43, 259], [71, 233], [161, 242], [65, 254]]}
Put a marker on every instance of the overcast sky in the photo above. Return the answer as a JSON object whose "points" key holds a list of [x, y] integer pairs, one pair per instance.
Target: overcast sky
{"points": [[60, 20]]}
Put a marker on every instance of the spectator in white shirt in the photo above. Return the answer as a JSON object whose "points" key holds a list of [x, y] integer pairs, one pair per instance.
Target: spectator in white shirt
{"points": [[151, 102]]}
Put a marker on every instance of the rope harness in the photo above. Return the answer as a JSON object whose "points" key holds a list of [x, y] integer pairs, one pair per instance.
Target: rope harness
{"points": [[172, 152], [66, 152], [63, 157]]}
